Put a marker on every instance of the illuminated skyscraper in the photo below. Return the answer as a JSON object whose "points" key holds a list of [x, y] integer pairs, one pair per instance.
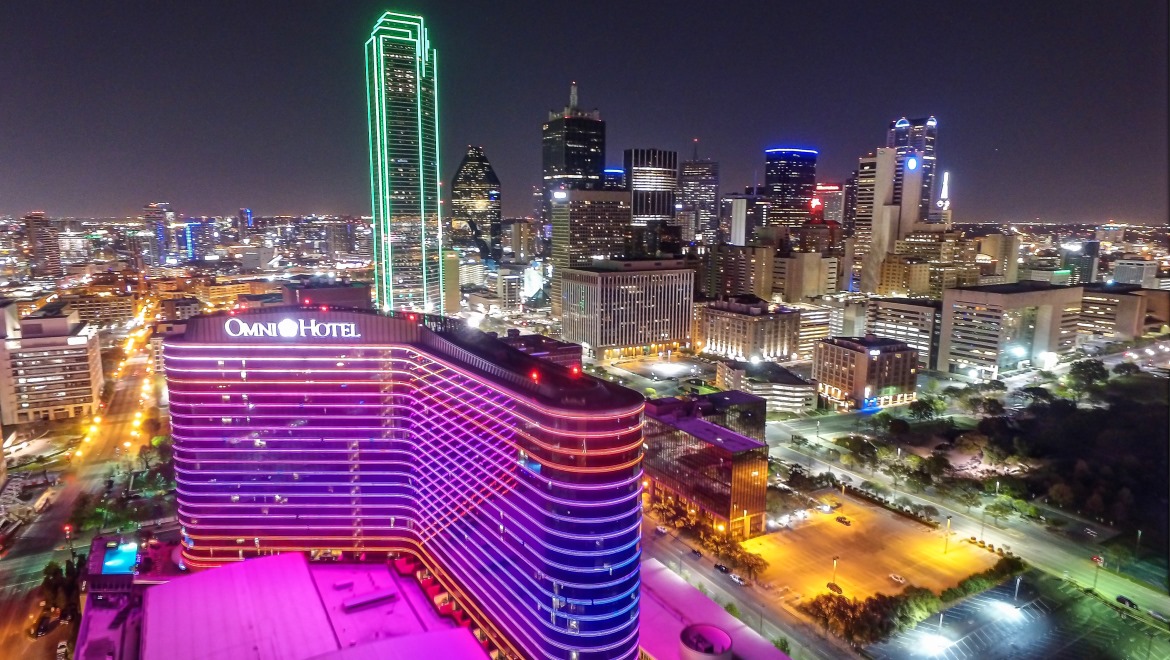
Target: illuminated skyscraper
{"points": [[790, 176], [158, 219], [652, 175], [402, 99], [917, 135], [698, 183], [475, 204]]}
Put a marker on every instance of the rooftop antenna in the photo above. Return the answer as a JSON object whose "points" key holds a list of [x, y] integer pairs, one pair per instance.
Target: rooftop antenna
{"points": [[696, 155], [573, 95]]}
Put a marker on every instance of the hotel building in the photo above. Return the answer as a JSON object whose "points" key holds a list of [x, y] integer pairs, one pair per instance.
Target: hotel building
{"points": [[745, 327], [351, 434], [865, 372]]}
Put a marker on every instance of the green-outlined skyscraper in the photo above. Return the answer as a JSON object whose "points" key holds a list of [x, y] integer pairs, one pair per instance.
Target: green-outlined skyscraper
{"points": [[403, 108]]}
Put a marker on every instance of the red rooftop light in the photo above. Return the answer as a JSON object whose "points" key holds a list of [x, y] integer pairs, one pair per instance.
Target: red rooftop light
{"points": [[535, 376]]}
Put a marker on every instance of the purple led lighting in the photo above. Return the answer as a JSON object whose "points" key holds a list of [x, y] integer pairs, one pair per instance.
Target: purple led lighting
{"points": [[523, 497]]}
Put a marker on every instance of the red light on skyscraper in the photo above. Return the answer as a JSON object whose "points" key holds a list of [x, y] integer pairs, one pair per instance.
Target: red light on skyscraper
{"points": [[535, 376]]}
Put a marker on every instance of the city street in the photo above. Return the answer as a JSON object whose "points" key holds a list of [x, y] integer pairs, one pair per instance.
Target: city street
{"points": [[44, 539]]}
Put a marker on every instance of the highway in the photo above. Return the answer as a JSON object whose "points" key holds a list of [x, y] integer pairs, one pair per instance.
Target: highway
{"points": [[44, 539]]}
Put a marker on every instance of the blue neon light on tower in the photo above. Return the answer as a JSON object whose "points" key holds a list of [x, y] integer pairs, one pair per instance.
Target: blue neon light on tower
{"points": [[790, 177]]}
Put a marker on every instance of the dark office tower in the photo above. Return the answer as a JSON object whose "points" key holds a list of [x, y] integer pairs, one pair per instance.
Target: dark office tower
{"points": [[917, 135], [159, 219], [401, 93], [698, 192], [614, 179], [573, 146], [790, 175], [849, 217], [475, 205], [652, 176], [587, 225], [243, 223], [1081, 259], [45, 245]]}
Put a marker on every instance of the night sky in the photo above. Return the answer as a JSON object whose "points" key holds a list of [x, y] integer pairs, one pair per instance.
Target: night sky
{"points": [[1055, 111]]}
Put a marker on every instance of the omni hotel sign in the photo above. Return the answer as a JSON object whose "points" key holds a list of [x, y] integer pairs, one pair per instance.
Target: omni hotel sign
{"points": [[290, 328]]}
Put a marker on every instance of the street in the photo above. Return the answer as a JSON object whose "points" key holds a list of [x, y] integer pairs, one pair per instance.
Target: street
{"points": [[44, 539]]}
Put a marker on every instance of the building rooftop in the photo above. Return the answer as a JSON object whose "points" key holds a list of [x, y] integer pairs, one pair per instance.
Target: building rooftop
{"points": [[721, 401], [281, 608], [768, 371], [615, 266], [683, 416], [868, 343], [54, 310], [670, 605], [917, 302], [1023, 286]]}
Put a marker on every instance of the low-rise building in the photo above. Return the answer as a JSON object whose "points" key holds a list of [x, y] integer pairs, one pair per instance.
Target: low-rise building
{"points": [[865, 372], [179, 309], [720, 474], [783, 390], [546, 348], [50, 365], [103, 309], [745, 327]]}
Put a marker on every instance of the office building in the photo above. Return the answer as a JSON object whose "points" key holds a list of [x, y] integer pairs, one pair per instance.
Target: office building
{"points": [[403, 112], [1115, 311], [941, 213], [915, 322], [818, 235], [197, 238], [652, 176], [588, 226], [989, 330], [50, 365], [746, 327], [698, 192], [802, 276], [847, 313], [734, 270], [159, 219], [1047, 274], [620, 308], [815, 322], [790, 176], [832, 196], [904, 275], [44, 246], [1081, 260], [783, 390], [520, 239], [103, 309], [354, 434], [916, 136], [720, 474], [742, 215], [865, 372], [1003, 252], [1136, 271], [475, 205], [884, 212], [180, 309], [572, 150]]}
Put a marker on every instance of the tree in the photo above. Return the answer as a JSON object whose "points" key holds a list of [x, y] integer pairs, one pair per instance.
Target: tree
{"points": [[147, 455], [966, 494], [921, 410], [937, 465], [992, 407], [1001, 508], [781, 643], [930, 511], [1062, 494], [82, 511], [1035, 394], [1086, 374], [732, 609], [753, 564]]}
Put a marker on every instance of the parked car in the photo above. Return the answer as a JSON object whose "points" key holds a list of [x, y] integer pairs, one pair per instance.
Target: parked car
{"points": [[738, 580], [1098, 560], [661, 530], [897, 578], [696, 553], [721, 568], [844, 521], [41, 627], [834, 588], [1125, 600], [1159, 616]]}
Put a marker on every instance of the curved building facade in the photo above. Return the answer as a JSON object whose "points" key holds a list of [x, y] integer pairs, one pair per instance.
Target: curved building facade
{"points": [[517, 482]]}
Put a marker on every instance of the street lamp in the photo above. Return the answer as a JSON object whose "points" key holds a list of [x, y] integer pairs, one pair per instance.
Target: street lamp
{"points": [[818, 429], [835, 558], [947, 540], [997, 489]]}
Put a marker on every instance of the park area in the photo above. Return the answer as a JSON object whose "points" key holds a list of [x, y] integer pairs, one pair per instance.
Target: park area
{"points": [[876, 543]]}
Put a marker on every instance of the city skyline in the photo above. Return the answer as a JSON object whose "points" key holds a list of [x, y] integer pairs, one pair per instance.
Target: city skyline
{"points": [[298, 145]]}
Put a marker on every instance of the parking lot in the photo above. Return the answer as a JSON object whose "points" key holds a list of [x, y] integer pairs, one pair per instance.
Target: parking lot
{"points": [[875, 544]]}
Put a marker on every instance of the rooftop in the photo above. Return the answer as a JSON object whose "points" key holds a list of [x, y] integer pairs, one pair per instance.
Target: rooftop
{"points": [[281, 608], [54, 310], [917, 302], [669, 605], [684, 418], [1023, 286], [768, 371], [868, 342], [616, 266]]}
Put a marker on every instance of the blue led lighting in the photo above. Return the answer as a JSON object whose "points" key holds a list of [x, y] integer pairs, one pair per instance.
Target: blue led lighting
{"points": [[789, 149], [618, 171], [901, 123], [911, 163]]}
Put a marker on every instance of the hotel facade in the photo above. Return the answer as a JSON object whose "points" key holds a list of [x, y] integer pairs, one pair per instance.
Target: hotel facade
{"points": [[358, 435]]}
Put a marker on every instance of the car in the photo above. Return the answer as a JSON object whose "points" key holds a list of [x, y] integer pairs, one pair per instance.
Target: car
{"points": [[1159, 616], [738, 580], [1125, 600], [834, 588], [42, 626], [844, 521], [696, 553], [1098, 560], [721, 568], [897, 578], [661, 529]]}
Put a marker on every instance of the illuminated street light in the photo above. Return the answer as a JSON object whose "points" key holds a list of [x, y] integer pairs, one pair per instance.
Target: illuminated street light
{"points": [[947, 540], [126, 444]]}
